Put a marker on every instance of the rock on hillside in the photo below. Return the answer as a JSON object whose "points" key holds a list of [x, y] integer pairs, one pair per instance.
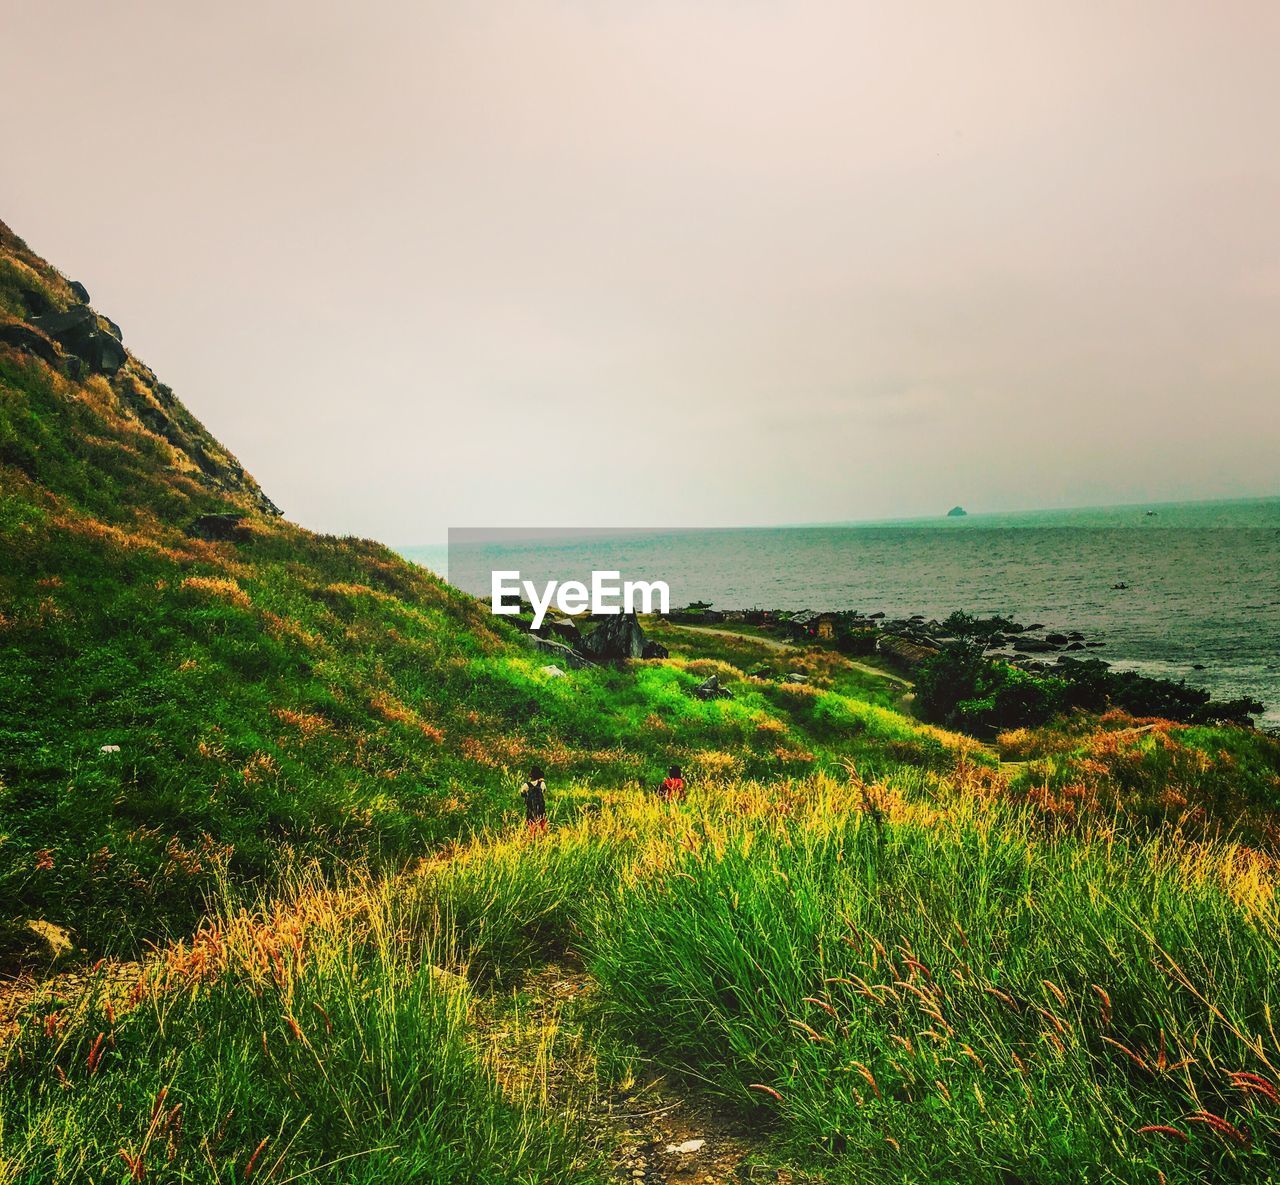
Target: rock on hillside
{"points": [[45, 316]]}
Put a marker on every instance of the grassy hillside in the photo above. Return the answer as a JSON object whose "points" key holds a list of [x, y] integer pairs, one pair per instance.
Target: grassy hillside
{"points": [[173, 708], [865, 949]]}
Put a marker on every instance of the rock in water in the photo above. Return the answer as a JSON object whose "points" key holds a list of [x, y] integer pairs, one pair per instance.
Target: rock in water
{"points": [[617, 636]]}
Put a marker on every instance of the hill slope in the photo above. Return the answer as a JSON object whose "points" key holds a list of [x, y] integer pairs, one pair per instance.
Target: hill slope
{"points": [[191, 684]]}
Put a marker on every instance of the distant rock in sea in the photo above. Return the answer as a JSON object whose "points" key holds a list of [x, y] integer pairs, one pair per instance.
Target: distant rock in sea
{"points": [[957, 512]]}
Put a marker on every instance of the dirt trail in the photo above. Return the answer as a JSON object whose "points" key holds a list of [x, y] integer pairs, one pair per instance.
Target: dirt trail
{"points": [[115, 979], [781, 647], [651, 1131]]}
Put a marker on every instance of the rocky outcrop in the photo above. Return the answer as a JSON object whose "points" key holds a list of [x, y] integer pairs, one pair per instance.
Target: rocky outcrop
{"points": [[617, 636], [29, 341], [564, 629], [46, 316], [81, 332], [565, 656], [710, 689]]}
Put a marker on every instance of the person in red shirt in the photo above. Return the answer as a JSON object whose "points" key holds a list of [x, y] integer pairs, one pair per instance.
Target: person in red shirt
{"points": [[672, 789]]}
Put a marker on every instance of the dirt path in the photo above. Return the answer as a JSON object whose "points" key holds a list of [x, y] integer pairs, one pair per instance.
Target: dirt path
{"points": [[648, 1129], [62, 988], [782, 647], [768, 643]]}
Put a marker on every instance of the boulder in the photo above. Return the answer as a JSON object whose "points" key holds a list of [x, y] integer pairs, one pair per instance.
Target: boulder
{"points": [[23, 337], [1057, 639], [654, 649], [552, 671], [78, 332], [220, 528], [710, 689], [564, 628], [564, 655], [52, 941], [617, 636], [79, 291], [1034, 645], [36, 301]]}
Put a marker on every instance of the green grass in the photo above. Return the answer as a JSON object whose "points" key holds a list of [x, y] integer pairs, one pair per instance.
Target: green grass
{"points": [[288, 695], [317, 1037], [934, 991]]}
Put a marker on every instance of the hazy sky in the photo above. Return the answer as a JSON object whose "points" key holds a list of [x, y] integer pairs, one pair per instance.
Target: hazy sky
{"points": [[580, 262]]}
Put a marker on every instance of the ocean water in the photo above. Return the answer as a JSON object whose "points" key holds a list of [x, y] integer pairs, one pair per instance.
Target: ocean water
{"points": [[1203, 578]]}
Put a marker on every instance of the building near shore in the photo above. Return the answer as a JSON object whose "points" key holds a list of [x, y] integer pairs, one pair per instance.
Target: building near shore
{"points": [[906, 652], [809, 624]]}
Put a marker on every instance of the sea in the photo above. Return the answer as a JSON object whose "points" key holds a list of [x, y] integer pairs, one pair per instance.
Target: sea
{"points": [[1184, 591]]}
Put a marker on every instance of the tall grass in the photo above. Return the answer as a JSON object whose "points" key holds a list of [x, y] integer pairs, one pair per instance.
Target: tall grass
{"points": [[323, 1038], [901, 984], [947, 997], [925, 987]]}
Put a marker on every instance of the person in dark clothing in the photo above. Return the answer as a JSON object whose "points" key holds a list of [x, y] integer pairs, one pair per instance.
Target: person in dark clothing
{"points": [[534, 793], [672, 789]]}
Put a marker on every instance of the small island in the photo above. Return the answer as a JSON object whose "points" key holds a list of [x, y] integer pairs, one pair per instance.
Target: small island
{"points": [[957, 512]]}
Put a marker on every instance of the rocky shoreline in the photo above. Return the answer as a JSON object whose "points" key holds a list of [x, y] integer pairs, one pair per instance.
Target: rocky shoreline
{"points": [[908, 640]]}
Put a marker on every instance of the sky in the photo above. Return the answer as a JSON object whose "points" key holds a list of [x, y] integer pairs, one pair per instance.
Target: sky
{"points": [[593, 263]]}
